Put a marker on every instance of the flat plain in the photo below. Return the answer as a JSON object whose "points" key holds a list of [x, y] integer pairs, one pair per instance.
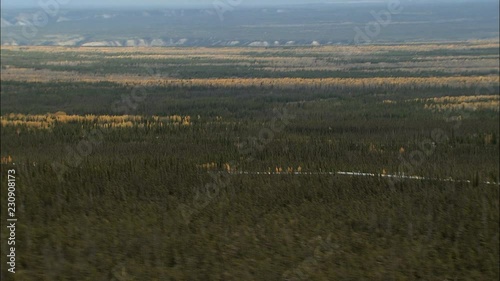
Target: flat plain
{"points": [[218, 163]]}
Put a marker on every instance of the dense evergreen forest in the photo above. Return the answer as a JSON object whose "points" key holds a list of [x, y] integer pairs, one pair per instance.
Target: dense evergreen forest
{"points": [[193, 164]]}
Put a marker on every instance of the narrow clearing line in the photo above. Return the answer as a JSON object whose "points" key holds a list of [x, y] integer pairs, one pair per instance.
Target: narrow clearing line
{"points": [[355, 174]]}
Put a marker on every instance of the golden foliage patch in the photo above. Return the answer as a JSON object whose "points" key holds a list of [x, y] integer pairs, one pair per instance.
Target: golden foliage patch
{"points": [[50, 120]]}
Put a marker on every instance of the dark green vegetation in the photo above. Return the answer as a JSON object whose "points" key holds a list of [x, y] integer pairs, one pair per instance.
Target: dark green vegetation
{"points": [[138, 206], [292, 63]]}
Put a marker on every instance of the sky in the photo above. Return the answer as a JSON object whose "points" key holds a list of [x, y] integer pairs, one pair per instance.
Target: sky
{"points": [[142, 2], [122, 3]]}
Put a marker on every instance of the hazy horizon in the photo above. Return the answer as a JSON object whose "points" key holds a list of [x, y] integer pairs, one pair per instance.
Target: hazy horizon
{"points": [[205, 3]]}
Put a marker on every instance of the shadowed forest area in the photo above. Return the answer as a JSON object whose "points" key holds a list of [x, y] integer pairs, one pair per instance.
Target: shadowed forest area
{"points": [[126, 162]]}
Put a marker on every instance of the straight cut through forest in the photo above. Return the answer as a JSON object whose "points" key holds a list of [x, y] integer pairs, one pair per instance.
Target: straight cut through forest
{"points": [[141, 163]]}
